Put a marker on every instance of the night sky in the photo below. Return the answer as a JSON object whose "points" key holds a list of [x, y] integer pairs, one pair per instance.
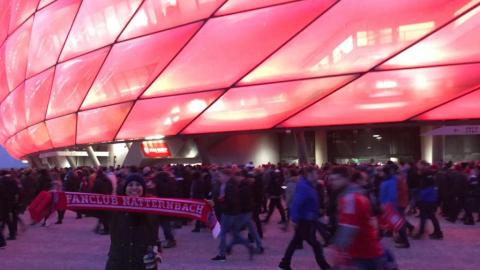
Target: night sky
{"points": [[6, 161]]}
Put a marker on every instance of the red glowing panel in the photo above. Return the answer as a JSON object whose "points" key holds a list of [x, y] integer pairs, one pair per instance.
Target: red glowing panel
{"points": [[49, 32], [262, 106], [389, 96], [13, 148], [156, 15], [98, 23], [20, 11], [62, 130], [455, 43], [37, 91], [27, 144], [355, 36], [40, 137], [3, 75], [16, 54], [155, 149], [227, 47], [234, 6], [134, 64], [101, 125], [44, 3], [465, 107], [72, 81], [4, 19], [3, 131], [164, 116], [12, 111]]}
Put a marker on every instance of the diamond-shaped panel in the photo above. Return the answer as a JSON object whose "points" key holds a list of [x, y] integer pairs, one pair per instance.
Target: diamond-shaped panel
{"points": [[262, 106], [72, 81], [62, 130], [133, 64], [102, 124], [49, 32], [37, 92], [98, 23], [389, 96], [354, 36], [227, 47], [156, 15], [164, 116]]}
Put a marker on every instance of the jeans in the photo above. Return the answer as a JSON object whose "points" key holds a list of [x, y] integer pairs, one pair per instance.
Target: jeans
{"points": [[242, 220], [427, 211], [227, 222], [305, 230]]}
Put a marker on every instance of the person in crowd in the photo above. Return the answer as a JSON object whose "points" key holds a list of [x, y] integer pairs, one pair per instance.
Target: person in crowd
{"points": [[428, 202], [133, 236], [291, 184], [356, 236], [3, 210], [305, 214], [12, 194], [165, 187], [199, 191], [275, 192], [102, 185], [244, 218], [229, 195], [389, 194]]}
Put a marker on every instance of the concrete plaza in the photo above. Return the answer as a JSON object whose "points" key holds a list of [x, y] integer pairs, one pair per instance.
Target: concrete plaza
{"points": [[73, 246]]}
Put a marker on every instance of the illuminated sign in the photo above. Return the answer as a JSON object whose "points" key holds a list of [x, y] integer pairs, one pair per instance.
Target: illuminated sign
{"points": [[155, 149]]}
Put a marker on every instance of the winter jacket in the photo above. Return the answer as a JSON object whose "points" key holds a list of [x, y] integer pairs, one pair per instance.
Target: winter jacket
{"points": [[305, 202], [388, 191], [131, 235], [428, 195]]}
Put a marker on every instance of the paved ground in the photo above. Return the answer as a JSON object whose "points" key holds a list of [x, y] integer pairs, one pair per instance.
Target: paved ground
{"points": [[73, 246]]}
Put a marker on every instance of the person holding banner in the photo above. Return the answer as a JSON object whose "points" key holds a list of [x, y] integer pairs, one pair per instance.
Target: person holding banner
{"points": [[133, 235]]}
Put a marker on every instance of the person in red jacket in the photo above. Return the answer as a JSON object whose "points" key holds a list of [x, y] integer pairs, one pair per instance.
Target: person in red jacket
{"points": [[357, 235]]}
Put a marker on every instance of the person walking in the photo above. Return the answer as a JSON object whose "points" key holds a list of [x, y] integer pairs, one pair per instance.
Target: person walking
{"points": [[356, 236], [305, 214], [229, 194], [428, 206]]}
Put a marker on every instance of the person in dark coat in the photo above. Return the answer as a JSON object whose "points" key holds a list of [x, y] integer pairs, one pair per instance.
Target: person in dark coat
{"points": [[166, 187], [275, 192], [102, 185], [133, 236], [3, 211], [12, 199], [199, 191]]}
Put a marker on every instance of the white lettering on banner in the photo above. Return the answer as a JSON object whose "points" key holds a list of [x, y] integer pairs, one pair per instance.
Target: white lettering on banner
{"points": [[114, 201], [84, 199], [69, 198], [200, 209]]}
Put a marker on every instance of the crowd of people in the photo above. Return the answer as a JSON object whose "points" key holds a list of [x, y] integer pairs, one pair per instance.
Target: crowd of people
{"points": [[342, 203]]}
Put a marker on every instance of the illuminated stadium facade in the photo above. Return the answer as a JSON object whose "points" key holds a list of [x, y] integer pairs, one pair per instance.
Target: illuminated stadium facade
{"points": [[88, 81]]}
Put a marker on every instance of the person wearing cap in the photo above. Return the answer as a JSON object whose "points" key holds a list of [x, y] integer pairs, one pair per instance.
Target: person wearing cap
{"points": [[133, 236]]}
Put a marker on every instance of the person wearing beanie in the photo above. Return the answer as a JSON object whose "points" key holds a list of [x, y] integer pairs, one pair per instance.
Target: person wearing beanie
{"points": [[133, 236]]}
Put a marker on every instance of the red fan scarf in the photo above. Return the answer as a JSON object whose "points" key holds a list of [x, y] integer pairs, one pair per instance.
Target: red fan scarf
{"points": [[46, 202]]}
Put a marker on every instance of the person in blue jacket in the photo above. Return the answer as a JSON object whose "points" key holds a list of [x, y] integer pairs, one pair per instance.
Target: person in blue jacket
{"points": [[428, 206], [305, 213]]}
